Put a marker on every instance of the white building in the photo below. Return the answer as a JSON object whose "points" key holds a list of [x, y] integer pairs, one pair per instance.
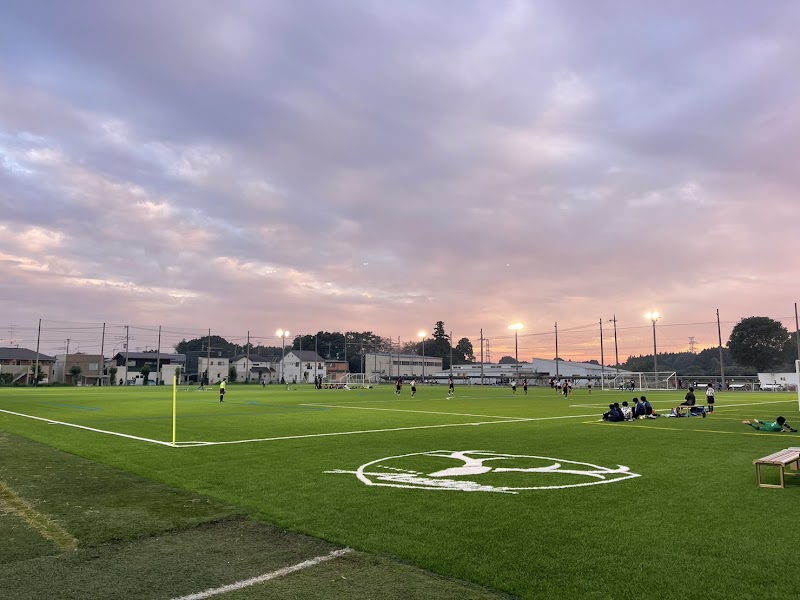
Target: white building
{"points": [[301, 366], [789, 381], [219, 366], [256, 368], [391, 366], [538, 370]]}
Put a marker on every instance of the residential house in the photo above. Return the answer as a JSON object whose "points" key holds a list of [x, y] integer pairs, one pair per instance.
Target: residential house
{"points": [[301, 366], [336, 369], [256, 368], [162, 367], [20, 363], [89, 369]]}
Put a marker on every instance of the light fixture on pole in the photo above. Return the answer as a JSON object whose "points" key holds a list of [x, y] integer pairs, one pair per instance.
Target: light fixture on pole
{"points": [[422, 335], [654, 316], [281, 333], [516, 327]]}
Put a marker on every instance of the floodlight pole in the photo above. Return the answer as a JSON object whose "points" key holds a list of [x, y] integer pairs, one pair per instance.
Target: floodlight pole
{"points": [[422, 335], [616, 349], [797, 335], [721, 363], [654, 316], [602, 359], [556, 361]]}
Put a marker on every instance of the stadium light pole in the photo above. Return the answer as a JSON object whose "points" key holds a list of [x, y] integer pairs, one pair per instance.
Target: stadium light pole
{"points": [[422, 335], [654, 316], [281, 333], [516, 327]]}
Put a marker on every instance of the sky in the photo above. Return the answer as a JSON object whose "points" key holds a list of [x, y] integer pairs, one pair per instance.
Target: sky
{"points": [[332, 165]]}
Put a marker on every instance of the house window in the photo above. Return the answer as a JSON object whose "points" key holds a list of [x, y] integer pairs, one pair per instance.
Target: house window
{"points": [[297, 364], [93, 366]]}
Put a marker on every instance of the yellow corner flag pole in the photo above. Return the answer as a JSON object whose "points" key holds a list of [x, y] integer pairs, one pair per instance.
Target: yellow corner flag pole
{"points": [[174, 405]]}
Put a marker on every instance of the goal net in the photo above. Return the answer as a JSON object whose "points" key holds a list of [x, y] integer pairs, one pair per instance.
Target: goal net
{"points": [[642, 380]]}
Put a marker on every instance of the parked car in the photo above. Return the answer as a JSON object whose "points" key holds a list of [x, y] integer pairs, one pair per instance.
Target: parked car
{"points": [[772, 387], [739, 387]]}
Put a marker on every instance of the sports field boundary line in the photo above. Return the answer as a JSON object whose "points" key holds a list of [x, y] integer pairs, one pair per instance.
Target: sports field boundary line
{"points": [[116, 433], [233, 587], [335, 433], [405, 410]]}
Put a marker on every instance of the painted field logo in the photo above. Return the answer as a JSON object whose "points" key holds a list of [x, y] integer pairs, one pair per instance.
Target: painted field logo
{"points": [[484, 471]]}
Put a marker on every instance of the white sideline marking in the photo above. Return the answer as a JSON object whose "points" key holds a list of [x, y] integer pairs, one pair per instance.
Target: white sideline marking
{"points": [[424, 412], [52, 422], [313, 435], [266, 576]]}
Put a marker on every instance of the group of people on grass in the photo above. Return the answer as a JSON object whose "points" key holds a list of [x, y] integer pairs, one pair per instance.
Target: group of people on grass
{"points": [[641, 409]]}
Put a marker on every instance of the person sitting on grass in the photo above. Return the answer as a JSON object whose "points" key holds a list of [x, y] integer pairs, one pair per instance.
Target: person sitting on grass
{"points": [[613, 414], [778, 424], [648, 408], [627, 412], [639, 411]]}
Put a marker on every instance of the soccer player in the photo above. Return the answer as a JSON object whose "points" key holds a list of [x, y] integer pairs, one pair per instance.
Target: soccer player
{"points": [[778, 424], [222, 385], [398, 385], [413, 387], [451, 391], [525, 386], [710, 397], [514, 386]]}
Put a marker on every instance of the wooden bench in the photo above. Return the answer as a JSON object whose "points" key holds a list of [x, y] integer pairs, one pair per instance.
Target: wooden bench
{"points": [[780, 459]]}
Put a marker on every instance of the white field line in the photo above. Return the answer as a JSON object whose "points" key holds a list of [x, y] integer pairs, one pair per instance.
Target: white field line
{"points": [[52, 422], [335, 433], [424, 412], [266, 577]]}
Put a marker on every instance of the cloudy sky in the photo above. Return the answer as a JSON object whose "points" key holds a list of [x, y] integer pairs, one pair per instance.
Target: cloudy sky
{"points": [[374, 165]]}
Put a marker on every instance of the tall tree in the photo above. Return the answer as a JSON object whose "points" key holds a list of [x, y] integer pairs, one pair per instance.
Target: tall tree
{"points": [[759, 342], [464, 351]]}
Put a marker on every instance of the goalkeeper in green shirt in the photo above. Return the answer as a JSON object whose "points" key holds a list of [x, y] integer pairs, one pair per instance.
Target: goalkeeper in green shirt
{"points": [[778, 424]]}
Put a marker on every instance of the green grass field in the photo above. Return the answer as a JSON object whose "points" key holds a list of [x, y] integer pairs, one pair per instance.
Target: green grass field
{"points": [[549, 502]]}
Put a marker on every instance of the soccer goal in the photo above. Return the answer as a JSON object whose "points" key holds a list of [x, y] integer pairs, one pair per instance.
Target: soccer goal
{"points": [[661, 380], [360, 380]]}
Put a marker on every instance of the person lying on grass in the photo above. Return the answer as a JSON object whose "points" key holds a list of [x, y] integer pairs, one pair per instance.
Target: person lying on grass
{"points": [[779, 425]]}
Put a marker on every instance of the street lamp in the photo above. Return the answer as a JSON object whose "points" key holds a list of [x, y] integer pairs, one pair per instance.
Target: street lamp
{"points": [[282, 334], [654, 316], [422, 335], [516, 327]]}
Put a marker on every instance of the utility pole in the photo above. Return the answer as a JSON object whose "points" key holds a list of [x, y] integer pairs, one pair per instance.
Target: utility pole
{"points": [[247, 360], [127, 350], [208, 358], [557, 350], [102, 356], [616, 349], [481, 355], [66, 359], [38, 339], [721, 362], [602, 359], [158, 359]]}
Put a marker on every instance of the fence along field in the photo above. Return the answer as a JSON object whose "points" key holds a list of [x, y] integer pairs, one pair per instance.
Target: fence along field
{"points": [[466, 487]]}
